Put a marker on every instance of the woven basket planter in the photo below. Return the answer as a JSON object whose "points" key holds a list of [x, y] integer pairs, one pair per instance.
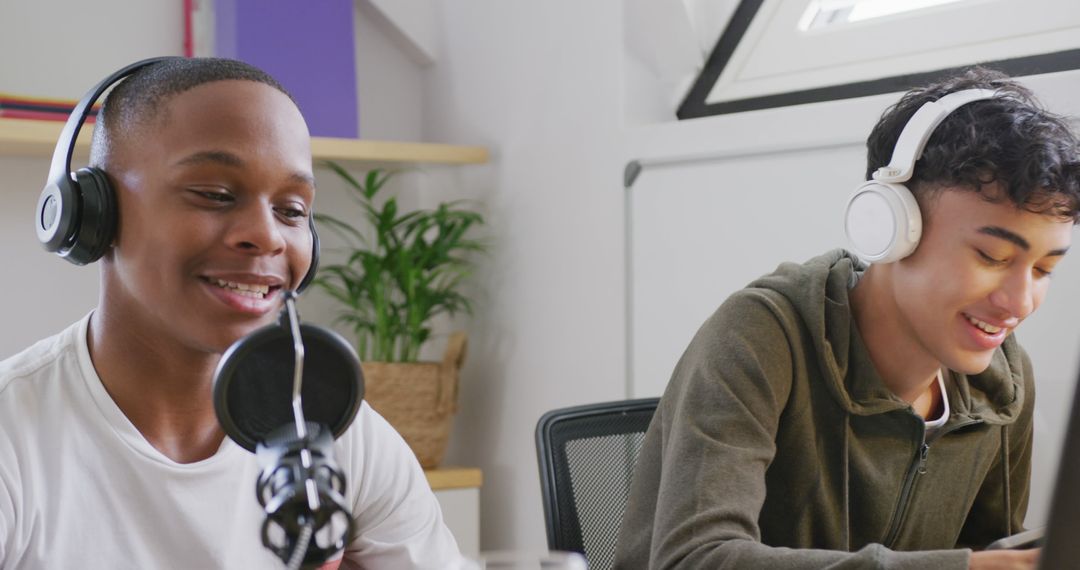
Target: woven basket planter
{"points": [[418, 398]]}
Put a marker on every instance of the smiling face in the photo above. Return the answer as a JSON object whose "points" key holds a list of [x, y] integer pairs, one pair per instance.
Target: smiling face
{"points": [[214, 197], [980, 269]]}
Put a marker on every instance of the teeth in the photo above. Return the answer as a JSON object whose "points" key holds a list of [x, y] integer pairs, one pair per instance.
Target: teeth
{"points": [[245, 289], [984, 326]]}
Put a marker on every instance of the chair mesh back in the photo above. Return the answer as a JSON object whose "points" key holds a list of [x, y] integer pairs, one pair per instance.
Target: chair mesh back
{"points": [[587, 456], [600, 473]]}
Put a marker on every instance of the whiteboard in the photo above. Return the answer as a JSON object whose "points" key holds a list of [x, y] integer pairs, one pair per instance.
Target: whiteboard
{"points": [[699, 231]]}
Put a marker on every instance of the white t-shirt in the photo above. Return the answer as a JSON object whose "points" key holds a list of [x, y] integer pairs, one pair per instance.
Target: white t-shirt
{"points": [[81, 488]]}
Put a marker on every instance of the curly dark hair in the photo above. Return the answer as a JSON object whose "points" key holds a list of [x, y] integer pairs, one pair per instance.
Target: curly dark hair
{"points": [[1008, 142]]}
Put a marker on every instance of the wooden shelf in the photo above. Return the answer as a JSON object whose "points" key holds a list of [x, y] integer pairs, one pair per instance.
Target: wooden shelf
{"points": [[454, 478], [391, 151], [20, 137]]}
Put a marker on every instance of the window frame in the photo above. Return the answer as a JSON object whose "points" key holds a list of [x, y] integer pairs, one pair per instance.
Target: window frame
{"points": [[696, 104]]}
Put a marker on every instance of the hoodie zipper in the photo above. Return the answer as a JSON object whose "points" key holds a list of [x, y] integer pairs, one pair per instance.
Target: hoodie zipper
{"points": [[917, 467]]}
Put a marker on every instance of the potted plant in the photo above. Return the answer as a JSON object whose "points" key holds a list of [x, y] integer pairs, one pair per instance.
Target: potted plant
{"points": [[401, 269]]}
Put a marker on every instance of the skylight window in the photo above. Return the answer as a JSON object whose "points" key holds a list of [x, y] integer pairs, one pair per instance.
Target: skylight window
{"points": [[822, 14]]}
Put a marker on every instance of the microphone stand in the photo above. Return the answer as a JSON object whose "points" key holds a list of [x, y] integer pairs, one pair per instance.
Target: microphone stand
{"points": [[301, 433], [300, 486]]}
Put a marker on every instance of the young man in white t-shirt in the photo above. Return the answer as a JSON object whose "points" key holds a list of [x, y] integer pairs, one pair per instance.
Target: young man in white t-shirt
{"points": [[110, 452]]}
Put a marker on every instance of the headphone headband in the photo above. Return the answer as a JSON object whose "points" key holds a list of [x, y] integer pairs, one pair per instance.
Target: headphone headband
{"points": [[882, 219], [76, 214], [65, 145], [909, 146]]}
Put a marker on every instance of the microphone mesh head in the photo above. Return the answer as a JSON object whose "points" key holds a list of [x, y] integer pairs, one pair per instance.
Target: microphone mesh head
{"points": [[254, 381]]}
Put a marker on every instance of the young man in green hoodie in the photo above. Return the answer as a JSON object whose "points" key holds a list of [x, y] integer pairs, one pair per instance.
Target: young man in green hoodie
{"points": [[834, 415]]}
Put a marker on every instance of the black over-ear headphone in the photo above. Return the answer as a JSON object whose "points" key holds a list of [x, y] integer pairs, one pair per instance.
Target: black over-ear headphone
{"points": [[77, 213]]}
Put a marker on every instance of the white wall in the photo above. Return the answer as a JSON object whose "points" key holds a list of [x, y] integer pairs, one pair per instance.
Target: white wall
{"points": [[389, 84], [538, 82], [60, 48]]}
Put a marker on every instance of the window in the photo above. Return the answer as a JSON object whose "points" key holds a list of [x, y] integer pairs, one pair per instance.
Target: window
{"points": [[785, 52], [823, 14]]}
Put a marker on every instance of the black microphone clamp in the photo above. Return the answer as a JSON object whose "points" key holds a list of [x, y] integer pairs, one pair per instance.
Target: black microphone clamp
{"points": [[302, 496]]}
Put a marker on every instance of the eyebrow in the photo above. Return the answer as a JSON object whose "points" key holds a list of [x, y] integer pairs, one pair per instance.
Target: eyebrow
{"points": [[221, 157], [1015, 238], [229, 159]]}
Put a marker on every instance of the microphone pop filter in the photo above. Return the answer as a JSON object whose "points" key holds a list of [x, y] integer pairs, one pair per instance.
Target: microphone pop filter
{"points": [[253, 383]]}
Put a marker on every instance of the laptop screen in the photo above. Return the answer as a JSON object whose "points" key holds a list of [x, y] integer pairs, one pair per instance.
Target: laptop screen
{"points": [[1062, 547]]}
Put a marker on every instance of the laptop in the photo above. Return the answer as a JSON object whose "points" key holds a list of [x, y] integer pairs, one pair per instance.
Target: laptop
{"points": [[1061, 549]]}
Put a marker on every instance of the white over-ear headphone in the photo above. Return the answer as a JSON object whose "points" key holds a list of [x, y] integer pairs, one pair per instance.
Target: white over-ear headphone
{"points": [[882, 219]]}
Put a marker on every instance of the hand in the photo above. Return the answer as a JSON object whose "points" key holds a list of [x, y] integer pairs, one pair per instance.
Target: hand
{"points": [[1005, 559]]}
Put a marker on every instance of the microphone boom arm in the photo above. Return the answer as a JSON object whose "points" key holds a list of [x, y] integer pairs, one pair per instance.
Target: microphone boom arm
{"points": [[298, 398], [300, 486]]}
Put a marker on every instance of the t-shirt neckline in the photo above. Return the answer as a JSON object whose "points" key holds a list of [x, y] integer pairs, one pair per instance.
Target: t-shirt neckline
{"points": [[119, 422]]}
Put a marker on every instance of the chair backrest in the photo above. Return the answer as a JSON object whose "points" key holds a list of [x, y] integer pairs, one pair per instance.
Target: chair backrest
{"points": [[587, 456]]}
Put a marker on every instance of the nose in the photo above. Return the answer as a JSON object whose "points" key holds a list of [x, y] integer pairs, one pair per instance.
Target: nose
{"points": [[256, 230], [1016, 295]]}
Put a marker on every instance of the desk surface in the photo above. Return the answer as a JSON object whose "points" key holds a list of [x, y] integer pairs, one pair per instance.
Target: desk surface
{"points": [[454, 478]]}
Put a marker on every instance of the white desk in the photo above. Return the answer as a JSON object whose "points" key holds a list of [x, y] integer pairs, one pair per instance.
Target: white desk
{"points": [[458, 492]]}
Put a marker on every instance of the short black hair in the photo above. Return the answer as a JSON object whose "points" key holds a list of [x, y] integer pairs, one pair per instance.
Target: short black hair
{"points": [[138, 98], [1008, 140]]}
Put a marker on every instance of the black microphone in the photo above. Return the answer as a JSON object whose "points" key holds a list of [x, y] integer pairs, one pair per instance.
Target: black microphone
{"points": [[285, 392]]}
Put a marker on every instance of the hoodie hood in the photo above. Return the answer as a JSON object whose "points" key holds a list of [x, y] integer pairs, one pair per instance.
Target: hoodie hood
{"points": [[818, 292]]}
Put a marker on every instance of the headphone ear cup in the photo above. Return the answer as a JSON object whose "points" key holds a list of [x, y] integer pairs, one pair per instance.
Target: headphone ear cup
{"points": [[57, 215], [97, 222], [882, 222], [314, 267]]}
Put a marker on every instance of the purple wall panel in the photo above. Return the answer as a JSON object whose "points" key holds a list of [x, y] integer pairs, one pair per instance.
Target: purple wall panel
{"points": [[307, 45]]}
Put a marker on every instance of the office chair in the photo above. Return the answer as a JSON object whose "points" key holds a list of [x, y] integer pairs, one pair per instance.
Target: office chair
{"points": [[587, 456]]}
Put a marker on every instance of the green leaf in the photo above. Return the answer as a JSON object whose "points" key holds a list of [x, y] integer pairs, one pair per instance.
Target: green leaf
{"points": [[401, 268], [344, 174]]}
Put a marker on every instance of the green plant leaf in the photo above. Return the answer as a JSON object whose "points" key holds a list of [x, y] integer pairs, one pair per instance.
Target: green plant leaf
{"points": [[345, 230], [401, 268], [344, 174]]}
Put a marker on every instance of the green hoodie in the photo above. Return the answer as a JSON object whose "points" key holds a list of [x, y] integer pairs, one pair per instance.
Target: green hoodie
{"points": [[776, 433]]}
